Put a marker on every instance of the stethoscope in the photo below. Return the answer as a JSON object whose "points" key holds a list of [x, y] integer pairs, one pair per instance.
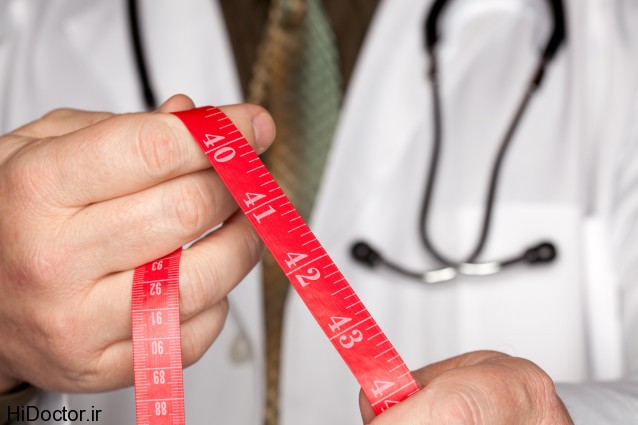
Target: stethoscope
{"points": [[362, 251], [539, 254]]}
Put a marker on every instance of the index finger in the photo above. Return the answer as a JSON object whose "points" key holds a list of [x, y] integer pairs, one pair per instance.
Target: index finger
{"points": [[128, 153], [60, 122]]}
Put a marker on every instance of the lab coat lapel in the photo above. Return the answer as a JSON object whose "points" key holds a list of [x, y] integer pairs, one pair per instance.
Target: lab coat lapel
{"points": [[91, 30], [80, 59]]}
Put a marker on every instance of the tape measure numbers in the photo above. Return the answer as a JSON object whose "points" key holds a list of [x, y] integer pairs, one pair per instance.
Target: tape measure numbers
{"points": [[157, 349], [374, 362]]}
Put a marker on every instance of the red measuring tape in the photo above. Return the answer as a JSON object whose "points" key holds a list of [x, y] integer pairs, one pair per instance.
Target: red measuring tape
{"points": [[376, 365], [157, 348]]}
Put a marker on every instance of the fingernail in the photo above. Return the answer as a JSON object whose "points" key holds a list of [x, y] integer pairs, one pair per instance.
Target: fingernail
{"points": [[264, 131]]}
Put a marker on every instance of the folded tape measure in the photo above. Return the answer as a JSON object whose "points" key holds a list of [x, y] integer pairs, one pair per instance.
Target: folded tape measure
{"points": [[159, 391]]}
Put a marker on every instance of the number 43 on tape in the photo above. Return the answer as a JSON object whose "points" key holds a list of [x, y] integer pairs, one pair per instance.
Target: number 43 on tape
{"points": [[376, 365]]}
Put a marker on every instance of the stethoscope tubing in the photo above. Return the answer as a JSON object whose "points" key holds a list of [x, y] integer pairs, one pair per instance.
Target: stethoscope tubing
{"points": [[544, 252]]}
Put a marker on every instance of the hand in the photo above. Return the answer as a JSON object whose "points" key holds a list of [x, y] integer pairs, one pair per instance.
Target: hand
{"points": [[87, 197], [479, 388]]}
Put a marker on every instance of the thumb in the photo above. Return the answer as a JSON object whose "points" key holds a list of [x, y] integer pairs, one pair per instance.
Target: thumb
{"points": [[367, 413], [176, 103]]}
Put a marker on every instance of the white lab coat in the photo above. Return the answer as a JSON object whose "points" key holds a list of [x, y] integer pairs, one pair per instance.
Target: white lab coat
{"points": [[569, 177]]}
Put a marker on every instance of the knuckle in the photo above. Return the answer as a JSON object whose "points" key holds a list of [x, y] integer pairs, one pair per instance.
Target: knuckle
{"points": [[57, 114], [201, 287], [43, 266], [191, 208], [458, 407], [538, 384], [252, 247], [57, 329], [192, 292], [156, 147], [452, 403], [25, 181], [62, 114]]}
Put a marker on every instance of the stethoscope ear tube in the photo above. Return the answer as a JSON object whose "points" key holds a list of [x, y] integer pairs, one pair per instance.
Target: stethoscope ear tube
{"points": [[557, 37], [150, 100], [560, 32]]}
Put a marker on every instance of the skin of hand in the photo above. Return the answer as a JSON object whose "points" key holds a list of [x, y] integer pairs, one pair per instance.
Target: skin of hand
{"points": [[478, 388], [86, 198]]}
